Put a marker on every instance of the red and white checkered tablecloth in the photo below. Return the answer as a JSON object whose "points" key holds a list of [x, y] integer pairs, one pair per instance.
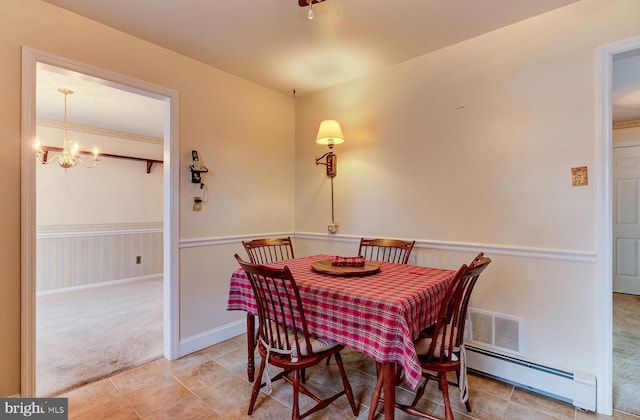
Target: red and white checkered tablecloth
{"points": [[379, 315]]}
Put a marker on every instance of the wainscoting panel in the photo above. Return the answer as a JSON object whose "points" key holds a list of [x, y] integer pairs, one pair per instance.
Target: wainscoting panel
{"points": [[96, 254]]}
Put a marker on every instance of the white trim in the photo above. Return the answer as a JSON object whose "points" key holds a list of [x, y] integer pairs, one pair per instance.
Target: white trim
{"points": [[101, 284], [171, 224], [55, 235], [630, 143], [604, 287], [30, 60], [577, 388], [43, 122], [512, 251], [209, 338], [223, 240], [97, 227], [28, 227]]}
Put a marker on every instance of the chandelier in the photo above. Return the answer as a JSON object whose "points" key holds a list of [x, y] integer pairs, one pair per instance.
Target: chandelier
{"points": [[70, 155]]}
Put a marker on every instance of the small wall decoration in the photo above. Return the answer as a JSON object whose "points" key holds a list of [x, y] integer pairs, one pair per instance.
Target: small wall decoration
{"points": [[579, 176]]}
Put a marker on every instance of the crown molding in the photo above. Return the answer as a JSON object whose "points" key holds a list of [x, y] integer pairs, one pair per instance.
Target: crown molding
{"points": [[44, 122], [626, 124]]}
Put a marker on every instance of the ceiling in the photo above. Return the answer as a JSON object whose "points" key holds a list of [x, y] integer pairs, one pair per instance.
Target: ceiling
{"points": [[96, 103], [272, 43]]}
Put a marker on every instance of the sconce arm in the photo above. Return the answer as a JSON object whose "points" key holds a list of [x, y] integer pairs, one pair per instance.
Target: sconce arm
{"points": [[322, 157], [331, 162]]}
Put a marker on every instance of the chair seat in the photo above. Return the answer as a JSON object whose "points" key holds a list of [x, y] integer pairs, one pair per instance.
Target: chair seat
{"points": [[424, 341], [318, 345]]}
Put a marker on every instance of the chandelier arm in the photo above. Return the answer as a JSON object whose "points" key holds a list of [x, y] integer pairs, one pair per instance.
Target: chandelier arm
{"points": [[46, 160], [95, 162]]}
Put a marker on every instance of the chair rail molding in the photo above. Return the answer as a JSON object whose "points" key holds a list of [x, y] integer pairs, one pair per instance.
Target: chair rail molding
{"points": [[496, 249]]}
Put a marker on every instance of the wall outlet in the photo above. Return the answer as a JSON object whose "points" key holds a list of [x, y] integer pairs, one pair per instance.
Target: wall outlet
{"points": [[332, 227], [139, 259]]}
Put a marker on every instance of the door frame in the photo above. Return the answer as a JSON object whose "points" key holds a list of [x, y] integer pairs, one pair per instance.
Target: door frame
{"points": [[604, 269], [30, 59]]}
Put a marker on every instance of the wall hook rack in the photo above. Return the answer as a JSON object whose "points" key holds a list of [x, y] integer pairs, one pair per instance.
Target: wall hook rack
{"points": [[196, 169]]}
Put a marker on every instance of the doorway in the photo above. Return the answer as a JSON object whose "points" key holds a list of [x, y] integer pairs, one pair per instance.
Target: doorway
{"points": [[604, 268], [170, 270], [626, 279], [625, 86], [98, 309]]}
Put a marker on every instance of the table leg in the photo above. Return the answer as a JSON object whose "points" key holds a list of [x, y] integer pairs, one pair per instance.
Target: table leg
{"points": [[251, 346], [389, 386]]}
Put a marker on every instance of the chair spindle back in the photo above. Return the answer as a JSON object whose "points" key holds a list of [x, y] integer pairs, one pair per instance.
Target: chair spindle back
{"points": [[280, 310], [268, 250], [389, 250]]}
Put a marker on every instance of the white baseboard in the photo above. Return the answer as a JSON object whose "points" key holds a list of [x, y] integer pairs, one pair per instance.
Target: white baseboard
{"points": [[209, 338], [577, 388], [101, 284]]}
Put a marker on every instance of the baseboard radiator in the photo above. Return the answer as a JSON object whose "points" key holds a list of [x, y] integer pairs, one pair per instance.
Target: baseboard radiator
{"points": [[576, 388]]}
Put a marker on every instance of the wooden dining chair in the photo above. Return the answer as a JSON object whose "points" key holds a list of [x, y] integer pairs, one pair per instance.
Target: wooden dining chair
{"points": [[268, 250], [284, 340], [264, 251], [389, 250], [440, 347]]}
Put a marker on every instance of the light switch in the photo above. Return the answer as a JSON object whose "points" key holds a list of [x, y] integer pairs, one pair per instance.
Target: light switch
{"points": [[197, 203], [579, 176]]}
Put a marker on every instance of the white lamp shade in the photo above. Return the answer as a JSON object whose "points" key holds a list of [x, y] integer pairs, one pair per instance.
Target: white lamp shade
{"points": [[329, 133]]}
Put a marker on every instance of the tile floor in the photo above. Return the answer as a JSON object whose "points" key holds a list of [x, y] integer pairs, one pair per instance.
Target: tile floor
{"points": [[212, 384]]}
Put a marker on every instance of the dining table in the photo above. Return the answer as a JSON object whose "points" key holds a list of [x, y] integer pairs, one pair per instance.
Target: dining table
{"points": [[378, 312]]}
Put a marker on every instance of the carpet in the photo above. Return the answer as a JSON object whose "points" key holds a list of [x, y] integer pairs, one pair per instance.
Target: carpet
{"points": [[626, 360], [88, 334]]}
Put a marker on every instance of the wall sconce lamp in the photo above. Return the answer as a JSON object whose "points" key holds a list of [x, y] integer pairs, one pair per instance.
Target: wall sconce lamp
{"points": [[330, 134]]}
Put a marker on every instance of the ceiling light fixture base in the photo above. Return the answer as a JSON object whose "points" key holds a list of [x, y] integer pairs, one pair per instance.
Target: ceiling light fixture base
{"points": [[307, 3]]}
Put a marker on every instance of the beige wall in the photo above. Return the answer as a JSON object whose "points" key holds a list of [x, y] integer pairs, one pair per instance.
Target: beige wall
{"points": [[236, 126], [466, 148], [115, 191], [471, 148], [92, 223]]}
